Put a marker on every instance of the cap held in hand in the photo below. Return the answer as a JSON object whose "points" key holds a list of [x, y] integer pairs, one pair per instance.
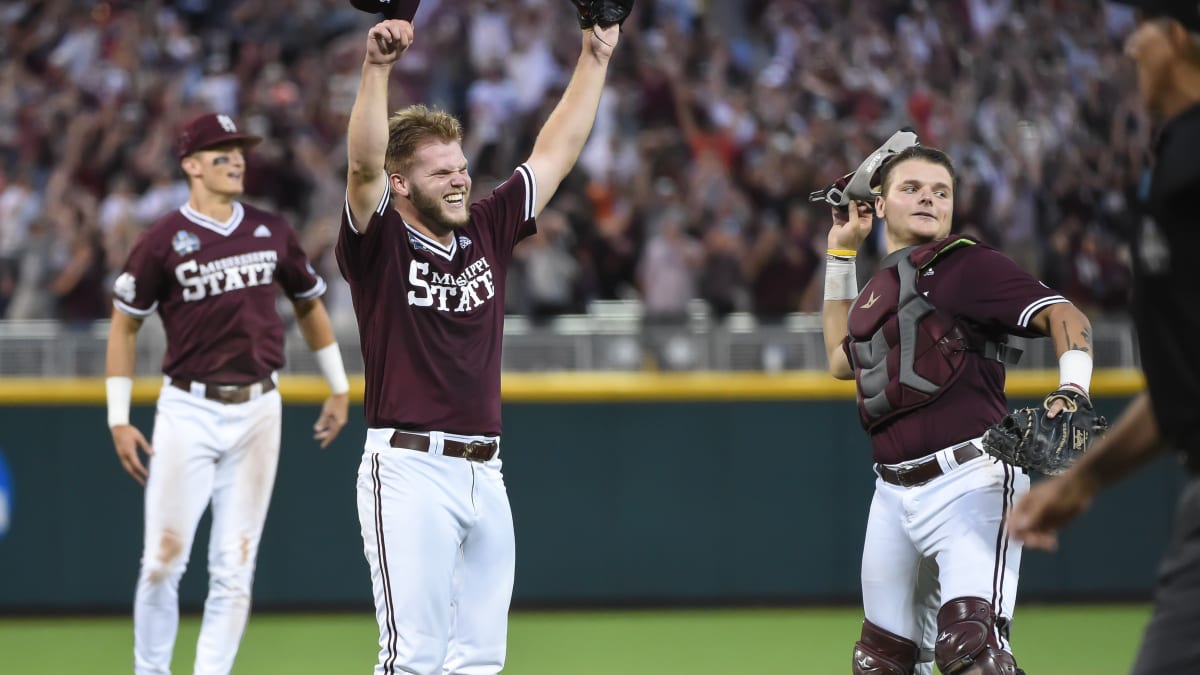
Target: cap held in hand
{"points": [[404, 10]]}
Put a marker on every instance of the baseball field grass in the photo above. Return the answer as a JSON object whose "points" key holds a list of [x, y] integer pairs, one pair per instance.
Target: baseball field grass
{"points": [[1049, 640]]}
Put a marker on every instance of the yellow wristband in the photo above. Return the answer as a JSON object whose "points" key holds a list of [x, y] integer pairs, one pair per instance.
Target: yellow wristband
{"points": [[842, 252]]}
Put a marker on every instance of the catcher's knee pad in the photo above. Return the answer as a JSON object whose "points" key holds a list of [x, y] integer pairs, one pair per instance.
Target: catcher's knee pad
{"points": [[881, 652], [967, 640]]}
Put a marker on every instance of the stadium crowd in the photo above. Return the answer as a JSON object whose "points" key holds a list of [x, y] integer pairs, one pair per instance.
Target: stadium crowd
{"points": [[719, 120]]}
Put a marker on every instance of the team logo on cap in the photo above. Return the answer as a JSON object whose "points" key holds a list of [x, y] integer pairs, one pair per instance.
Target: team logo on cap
{"points": [[185, 243], [227, 124]]}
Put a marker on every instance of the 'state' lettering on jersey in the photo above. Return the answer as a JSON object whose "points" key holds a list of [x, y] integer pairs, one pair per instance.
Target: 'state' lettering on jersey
{"points": [[213, 285], [431, 315]]}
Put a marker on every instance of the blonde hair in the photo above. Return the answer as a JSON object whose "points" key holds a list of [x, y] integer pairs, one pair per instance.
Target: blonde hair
{"points": [[410, 127]]}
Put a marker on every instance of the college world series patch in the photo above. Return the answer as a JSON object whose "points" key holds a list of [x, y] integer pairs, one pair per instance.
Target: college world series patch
{"points": [[185, 243]]}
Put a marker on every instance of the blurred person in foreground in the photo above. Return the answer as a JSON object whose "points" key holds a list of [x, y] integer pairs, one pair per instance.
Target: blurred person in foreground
{"points": [[427, 274], [1165, 46]]}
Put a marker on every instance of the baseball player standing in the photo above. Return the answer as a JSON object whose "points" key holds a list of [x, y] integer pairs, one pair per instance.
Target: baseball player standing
{"points": [[210, 270], [427, 270], [1167, 315], [925, 341]]}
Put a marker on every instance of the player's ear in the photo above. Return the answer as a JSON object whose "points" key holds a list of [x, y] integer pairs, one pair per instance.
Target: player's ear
{"points": [[880, 211], [190, 166], [399, 184]]}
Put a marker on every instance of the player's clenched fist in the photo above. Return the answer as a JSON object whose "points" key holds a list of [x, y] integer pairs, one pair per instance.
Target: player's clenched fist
{"points": [[387, 40]]}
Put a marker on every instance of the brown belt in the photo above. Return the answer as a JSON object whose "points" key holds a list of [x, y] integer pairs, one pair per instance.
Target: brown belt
{"points": [[475, 451], [922, 472], [226, 393]]}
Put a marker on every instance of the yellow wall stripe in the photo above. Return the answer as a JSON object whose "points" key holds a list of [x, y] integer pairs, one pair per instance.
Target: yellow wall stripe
{"points": [[577, 387]]}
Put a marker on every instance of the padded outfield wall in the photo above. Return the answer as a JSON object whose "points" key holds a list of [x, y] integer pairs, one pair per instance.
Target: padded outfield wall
{"points": [[696, 489]]}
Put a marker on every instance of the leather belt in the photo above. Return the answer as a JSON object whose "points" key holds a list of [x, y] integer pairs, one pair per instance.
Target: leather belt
{"points": [[911, 475], [226, 393], [475, 451]]}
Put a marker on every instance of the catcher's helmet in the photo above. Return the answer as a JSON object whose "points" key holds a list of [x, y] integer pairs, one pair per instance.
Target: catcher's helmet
{"points": [[404, 10], [860, 185]]}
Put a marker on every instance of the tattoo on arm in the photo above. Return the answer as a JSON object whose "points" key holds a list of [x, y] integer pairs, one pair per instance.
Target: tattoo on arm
{"points": [[1085, 334]]}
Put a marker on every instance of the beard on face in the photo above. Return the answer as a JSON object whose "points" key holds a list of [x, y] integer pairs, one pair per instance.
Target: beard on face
{"points": [[432, 209]]}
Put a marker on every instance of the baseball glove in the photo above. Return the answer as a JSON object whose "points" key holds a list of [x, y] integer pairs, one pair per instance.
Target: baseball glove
{"points": [[602, 12], [1032, 441]]}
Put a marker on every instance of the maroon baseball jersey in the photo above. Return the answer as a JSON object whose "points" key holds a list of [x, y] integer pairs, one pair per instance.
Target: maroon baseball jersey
{"points": [[213, 285], [991, 297], [431, 317]]}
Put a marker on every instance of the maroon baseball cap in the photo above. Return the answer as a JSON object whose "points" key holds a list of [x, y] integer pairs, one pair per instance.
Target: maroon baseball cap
{"points": [[208, 130], [404, 10]]}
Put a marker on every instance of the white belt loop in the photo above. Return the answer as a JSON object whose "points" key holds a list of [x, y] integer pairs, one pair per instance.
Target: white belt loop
{"points": [[197, 389], [437, 442], [256, 390], [945, 459]]}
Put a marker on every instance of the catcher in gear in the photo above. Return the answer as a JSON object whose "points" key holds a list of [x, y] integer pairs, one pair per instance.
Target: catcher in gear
{"points": [[1049, 438], [926, 343]]}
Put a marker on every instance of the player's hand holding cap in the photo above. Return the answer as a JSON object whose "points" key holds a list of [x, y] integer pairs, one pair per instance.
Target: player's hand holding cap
{"points": [[403, 10]]}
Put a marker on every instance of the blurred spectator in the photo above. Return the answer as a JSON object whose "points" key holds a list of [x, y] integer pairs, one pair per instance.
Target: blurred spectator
{"points": [[18, 208], [550, 268], [783, 264], [722, 280], [669, 267]]}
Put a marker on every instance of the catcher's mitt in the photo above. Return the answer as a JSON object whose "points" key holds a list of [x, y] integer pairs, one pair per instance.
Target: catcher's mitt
{"points": [[602, 12], [1030, 440]]}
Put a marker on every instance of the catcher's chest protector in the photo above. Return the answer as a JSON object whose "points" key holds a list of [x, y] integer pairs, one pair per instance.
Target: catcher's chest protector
{"points": [[904, 351]]}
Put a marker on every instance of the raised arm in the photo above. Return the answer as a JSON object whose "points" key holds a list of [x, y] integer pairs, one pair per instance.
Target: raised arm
{"points": [[566, 130], [841, 283], [367, 133]]}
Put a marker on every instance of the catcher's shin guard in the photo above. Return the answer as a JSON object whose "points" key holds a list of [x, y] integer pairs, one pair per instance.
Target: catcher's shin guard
{"points": [[967, 640], [881, 652]]}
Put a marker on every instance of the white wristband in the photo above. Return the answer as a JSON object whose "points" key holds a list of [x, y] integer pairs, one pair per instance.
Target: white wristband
{"points": [[329, 359], [118, 390], [841, 278], [1075, 370]]}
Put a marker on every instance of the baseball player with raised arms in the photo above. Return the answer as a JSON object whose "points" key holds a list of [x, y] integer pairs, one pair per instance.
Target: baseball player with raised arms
{"points": [[427, 270], [925, 342], [210, 270]]}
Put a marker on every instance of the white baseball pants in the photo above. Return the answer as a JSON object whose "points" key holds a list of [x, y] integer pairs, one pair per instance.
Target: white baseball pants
{"points": [[204, 451], [438, 536], [938, 541]]}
